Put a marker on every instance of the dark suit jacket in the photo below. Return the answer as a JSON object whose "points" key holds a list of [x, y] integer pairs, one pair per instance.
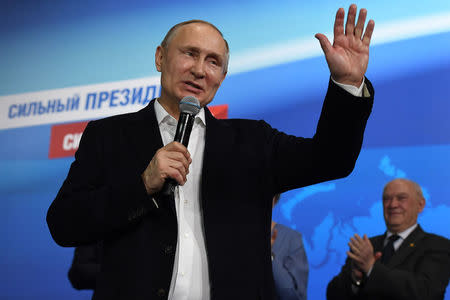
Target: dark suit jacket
{"points": [[419, 270], [245, 163], [85, 267]]}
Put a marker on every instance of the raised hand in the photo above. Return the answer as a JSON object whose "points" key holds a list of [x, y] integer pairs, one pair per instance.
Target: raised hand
{"points": [[348, 57]]}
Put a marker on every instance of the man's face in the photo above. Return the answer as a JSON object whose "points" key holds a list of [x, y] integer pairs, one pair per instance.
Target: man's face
{"points": [[401, 205], [193, 63]]}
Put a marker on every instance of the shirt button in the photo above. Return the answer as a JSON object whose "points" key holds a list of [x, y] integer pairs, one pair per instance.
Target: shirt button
{"points": [[182, 274], [186, 235], [161, 293]]}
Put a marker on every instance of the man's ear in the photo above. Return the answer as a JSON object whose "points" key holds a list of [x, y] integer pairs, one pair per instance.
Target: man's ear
{"points": [[159, 58], [422, 203], [223, 77]]}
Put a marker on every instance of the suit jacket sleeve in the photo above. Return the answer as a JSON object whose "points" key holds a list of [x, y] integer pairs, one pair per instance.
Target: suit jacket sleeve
{"points": [[340, 287], [332, 152], [85, 267], [89, 207]]}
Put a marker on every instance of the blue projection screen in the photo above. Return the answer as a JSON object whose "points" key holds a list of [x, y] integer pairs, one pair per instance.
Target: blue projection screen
{"points": [[65, 63]]}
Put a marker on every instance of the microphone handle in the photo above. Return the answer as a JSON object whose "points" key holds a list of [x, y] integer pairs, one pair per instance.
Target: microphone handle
{"points": [[182, 135]]}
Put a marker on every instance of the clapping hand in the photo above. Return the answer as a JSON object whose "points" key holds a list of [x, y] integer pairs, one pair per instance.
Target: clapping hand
{"points": [[362, 253]]}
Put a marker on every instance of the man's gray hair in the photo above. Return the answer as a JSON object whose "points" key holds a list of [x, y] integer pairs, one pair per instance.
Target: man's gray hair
{"points": [[171, 33], [415, 185]]}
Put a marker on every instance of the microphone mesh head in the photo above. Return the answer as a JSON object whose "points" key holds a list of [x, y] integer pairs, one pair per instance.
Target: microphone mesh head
{"points": [[190, 105]]}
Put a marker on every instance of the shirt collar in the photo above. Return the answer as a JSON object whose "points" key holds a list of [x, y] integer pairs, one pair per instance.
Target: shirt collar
{"points": [[163, 116], [404, 234]]}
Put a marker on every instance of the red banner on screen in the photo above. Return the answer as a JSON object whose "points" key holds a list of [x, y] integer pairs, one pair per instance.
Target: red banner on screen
{"points": [[219, 111], [65, 138]]}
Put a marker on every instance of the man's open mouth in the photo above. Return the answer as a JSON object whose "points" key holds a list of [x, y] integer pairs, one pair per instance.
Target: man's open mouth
{"points": [[193, 85]]}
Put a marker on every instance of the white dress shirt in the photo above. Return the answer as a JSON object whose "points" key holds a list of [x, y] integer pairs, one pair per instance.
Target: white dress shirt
{"points": [[190, 277], [403, 235]]}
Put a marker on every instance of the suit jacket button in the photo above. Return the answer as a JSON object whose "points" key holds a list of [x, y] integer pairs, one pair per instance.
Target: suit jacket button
{"points": [[168, 249], [161, 293]]}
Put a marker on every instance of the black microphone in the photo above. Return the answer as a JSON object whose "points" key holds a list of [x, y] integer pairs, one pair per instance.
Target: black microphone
{"points": [[189, 108]]}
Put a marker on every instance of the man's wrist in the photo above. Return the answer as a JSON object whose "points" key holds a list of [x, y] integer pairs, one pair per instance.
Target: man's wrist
{"points": [[358, 282], [354, 90]]}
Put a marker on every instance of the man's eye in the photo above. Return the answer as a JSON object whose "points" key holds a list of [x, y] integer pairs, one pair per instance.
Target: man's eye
{"points": [[214, 62]]}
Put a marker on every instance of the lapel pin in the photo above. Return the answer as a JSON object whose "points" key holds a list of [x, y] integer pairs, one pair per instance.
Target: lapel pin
{"points": [[411, 245]]}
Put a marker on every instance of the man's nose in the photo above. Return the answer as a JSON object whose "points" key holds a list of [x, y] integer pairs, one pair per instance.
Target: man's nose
{"points": [[198, 69], [393, 203]]}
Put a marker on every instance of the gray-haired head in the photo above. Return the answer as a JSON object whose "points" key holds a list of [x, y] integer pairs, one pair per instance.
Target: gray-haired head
{"points": [[172, 31], [415, 186]]}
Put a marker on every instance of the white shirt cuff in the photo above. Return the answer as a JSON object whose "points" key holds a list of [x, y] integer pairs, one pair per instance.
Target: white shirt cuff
{"points": [[357, 92]]}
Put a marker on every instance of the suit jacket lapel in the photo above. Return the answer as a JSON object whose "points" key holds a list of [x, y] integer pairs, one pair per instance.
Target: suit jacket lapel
{"points": [[145, 139], [144, 135], [219, 136], [407, 247]]}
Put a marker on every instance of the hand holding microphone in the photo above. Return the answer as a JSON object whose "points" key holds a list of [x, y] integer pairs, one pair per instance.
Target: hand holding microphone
{"points": [[170, 164]]}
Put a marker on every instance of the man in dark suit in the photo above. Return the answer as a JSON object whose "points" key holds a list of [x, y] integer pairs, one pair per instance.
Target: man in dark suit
{"points": [[404, 263], [200, 244]]}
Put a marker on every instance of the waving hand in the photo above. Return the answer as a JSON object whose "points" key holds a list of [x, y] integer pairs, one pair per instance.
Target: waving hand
{"points": [[348, 57]]}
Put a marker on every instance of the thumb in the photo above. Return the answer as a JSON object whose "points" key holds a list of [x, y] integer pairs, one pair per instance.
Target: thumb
{"points": [[324, 43]]}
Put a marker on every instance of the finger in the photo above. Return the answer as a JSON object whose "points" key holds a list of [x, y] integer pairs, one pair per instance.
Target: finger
{"points": [[377, 255], [367, 240], [177, 156], [178, 147], [324, 43], [360, 24], [176, 174], [350, 25], [368, 33], [358, 239], [339, 23], [173, 169], [355, 258], [172, 164], [354, 248], [182, 170]]}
